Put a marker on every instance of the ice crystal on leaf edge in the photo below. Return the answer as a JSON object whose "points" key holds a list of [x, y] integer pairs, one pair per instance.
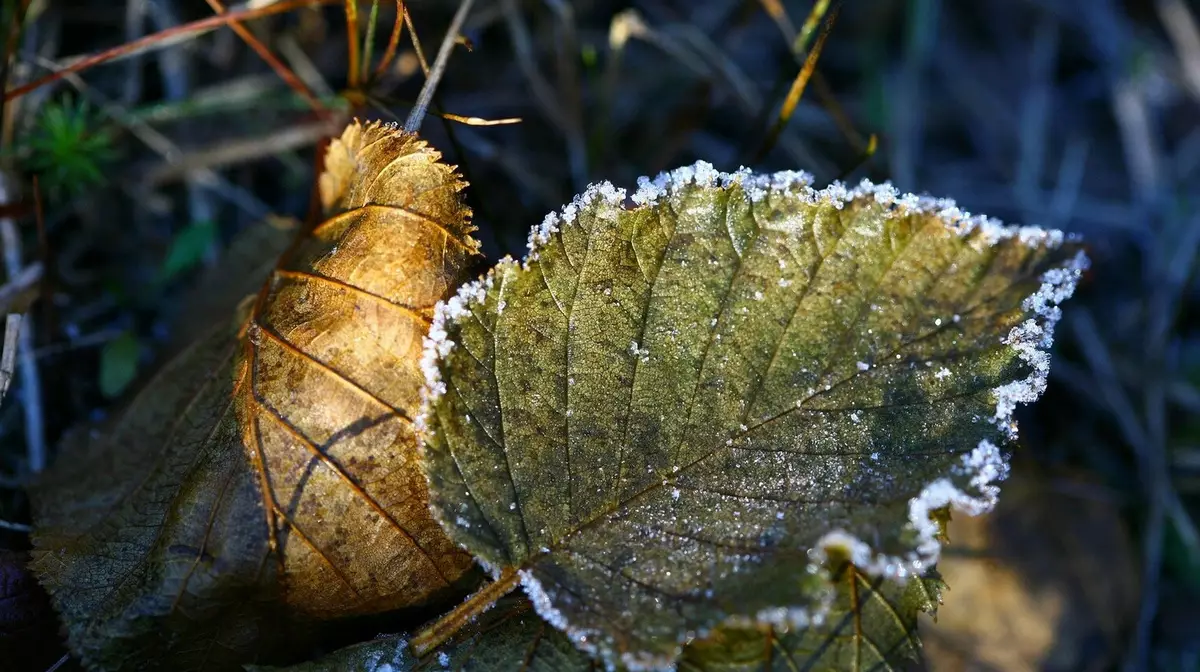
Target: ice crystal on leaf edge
{"points": [[984, 467]]}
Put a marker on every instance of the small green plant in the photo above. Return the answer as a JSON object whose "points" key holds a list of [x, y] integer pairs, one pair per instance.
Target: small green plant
{"points": [[67, 148]]}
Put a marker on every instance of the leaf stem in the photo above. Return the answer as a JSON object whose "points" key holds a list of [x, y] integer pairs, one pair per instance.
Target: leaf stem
{"points": [[426, 641]]}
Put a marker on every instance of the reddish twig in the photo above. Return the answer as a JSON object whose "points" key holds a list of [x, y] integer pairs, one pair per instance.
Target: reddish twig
{"points": [[393, 41], [285, 73], [151, 40]]}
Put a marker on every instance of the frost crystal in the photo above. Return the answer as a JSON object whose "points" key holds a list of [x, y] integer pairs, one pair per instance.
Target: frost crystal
{"points": [[437, 344], [539, 236], [982, 468], [1032, 338]]}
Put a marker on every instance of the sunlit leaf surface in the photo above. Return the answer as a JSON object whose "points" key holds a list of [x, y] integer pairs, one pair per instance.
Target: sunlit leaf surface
{"points": [[669, 412], [329, 379]]}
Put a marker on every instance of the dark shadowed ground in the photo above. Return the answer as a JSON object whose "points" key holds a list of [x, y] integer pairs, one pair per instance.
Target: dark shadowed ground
{"points": [[1077, 114]]}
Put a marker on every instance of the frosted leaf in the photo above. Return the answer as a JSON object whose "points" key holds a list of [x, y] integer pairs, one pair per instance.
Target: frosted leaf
{"points": [[640, 496]]}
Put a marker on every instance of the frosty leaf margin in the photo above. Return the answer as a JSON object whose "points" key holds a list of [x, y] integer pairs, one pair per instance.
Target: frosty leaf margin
{"points": [[982, 468]]}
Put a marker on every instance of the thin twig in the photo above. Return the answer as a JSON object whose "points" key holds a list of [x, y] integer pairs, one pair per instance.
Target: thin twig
{"points": [[416, 42], [162, 145], [238, 150], [352, 67], [417, 115], [161, 40], [15, 527], [369, 43], [799, 84], [18, 292], [778, 14], [264, 53], [800, 45], [1181, 27], [393, 41], [61, 661], [522, 48]]}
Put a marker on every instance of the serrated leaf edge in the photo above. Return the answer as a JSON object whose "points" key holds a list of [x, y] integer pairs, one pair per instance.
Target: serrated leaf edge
{"points": [[983, 468]]}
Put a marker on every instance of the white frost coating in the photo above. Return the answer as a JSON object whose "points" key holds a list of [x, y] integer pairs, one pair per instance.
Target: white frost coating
{"points": [[553, 222], [983, 467], [437, 344], [1033, 338], [585, 639], [399, 660]]}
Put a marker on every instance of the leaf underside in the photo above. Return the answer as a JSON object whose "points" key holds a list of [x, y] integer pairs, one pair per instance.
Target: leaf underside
{"points": [[665, 409], [269, 470], [871, 625]]}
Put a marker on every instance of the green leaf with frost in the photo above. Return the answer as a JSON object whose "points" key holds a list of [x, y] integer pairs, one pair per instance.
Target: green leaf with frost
{"points": [[871, 624], [668, 414]]}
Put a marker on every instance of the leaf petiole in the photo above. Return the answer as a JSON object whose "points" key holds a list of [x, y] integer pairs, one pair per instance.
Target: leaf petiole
{"points": [[429, 639]]}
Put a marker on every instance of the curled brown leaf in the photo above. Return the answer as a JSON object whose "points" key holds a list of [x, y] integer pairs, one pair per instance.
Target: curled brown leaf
{"points": [[329, 378]]}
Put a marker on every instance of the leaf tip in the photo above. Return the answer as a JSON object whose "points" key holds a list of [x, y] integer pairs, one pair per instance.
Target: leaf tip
{"points": [[1033, 338]]}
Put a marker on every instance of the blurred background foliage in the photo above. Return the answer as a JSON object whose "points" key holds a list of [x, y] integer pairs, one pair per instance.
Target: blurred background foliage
{"points": [[1078, 114]]}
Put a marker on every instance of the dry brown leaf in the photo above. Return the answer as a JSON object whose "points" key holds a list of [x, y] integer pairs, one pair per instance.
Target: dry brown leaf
{"points": [[270, 471], [329, 378]]}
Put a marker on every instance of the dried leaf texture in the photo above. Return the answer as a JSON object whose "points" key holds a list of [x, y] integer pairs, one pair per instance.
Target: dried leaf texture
{"points": [[330, 379], [666, 413]]}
